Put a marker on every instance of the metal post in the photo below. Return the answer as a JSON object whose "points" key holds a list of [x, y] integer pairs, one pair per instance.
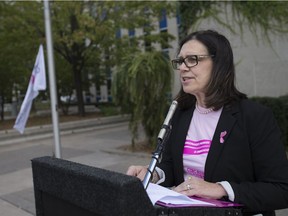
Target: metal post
{"points": [[51, 72]]}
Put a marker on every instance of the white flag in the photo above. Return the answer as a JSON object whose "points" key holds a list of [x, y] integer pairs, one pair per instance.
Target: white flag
{"points": [[37, 82]]}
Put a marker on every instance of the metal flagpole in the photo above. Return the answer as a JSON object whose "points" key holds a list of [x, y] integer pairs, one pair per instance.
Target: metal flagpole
{"points": [[52, 83]]}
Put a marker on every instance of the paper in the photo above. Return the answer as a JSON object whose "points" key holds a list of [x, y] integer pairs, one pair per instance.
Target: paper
{"points": [[161, 194], [165, 197]]}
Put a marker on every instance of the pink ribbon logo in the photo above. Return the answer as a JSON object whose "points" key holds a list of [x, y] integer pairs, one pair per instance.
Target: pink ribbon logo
{"points": [[222, 135]]}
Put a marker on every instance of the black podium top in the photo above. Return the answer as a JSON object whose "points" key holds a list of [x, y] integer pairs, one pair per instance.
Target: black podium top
{"points": [[63, 187]]}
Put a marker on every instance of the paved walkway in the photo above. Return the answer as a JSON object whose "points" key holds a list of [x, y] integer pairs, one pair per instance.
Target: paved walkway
{"points": [[96, 145]]}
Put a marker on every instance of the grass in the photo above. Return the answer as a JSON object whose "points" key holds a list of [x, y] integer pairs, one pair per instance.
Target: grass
{"points": [[47, 119], [44, 119]]}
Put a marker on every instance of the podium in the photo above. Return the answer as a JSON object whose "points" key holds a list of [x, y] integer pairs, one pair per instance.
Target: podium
{"points": [[62, 187]]}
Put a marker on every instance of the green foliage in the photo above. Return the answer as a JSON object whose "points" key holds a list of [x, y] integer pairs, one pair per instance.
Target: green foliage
{"points": [[262, 18], [269, 16], [193, 11], [84, 40], [19, 44], [109, 109], [77, 35], [279, 106], [84, 35], [140, 87]]}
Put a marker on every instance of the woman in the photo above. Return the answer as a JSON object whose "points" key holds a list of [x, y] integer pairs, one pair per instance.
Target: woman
{"points": [[222, 145]]}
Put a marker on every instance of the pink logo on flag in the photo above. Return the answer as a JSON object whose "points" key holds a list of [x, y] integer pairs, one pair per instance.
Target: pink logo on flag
{"points": [[32, 80]]}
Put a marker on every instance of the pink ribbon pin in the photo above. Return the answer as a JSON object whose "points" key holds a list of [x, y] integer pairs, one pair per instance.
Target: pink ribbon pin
{"points": [[222, 135]]}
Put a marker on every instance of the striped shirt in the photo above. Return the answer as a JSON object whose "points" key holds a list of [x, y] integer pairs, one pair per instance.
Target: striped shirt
{"points": [[198, 142]]}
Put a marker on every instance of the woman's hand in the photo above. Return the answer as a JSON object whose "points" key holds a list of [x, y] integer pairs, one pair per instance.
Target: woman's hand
{"points": [[138, 171], [194, 186]]}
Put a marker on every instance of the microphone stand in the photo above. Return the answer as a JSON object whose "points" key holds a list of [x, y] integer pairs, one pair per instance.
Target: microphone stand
{"points": [[156, 158], [161, 141]]}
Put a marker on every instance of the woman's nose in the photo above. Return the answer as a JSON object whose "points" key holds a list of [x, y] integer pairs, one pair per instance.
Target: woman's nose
{"points": [[183, 66]]}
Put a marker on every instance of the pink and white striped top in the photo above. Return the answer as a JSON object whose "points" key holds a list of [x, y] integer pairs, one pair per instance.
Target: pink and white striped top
{"points": [[198, 141]]}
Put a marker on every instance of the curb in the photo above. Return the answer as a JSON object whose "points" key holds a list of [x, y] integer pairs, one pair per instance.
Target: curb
{"points": [[12, 136]]}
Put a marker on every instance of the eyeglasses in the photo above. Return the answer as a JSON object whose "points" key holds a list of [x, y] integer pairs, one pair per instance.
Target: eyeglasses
{"points": [[189, 61]]}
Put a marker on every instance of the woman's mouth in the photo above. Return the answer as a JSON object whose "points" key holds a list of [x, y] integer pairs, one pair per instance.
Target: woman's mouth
{"points": [[184, 79]]}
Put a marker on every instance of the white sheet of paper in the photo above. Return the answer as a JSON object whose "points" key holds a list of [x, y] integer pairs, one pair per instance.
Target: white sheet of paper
{"points": [[159, 193]]}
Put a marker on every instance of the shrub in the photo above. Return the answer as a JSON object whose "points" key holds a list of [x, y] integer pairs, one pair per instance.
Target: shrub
{"points": [[279, 106]]}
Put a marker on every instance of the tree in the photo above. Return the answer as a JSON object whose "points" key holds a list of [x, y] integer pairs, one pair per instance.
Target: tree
{"points": [[191, 12], [263, 19], [80, 30], [18, 47], [83, 34], [142, 80], [141, 87]]}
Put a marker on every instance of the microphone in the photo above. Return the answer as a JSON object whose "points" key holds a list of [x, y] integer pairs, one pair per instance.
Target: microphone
{"points": [[167, 120], [162, 139]]}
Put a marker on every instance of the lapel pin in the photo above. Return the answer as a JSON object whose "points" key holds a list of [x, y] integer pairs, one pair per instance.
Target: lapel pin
{"points": [[222, 135]]}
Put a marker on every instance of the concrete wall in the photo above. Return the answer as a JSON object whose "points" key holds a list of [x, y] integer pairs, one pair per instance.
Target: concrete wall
{"points": [[261, 68]]}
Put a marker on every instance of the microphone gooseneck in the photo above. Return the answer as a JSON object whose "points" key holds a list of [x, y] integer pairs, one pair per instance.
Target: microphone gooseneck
{"points": [[161, 140]]}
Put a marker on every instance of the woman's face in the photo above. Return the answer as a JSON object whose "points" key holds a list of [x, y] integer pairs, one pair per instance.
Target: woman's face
{"points": [[195, 79]]}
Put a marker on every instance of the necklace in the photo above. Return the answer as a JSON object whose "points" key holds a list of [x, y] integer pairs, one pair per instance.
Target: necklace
{"points": [[203, 112]]}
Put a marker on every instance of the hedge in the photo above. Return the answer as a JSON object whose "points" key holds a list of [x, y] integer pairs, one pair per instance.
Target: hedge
{"points": [[279, 106]]}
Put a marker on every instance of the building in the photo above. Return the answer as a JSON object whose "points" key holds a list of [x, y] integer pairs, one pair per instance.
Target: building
{"points": [[261, 67]]}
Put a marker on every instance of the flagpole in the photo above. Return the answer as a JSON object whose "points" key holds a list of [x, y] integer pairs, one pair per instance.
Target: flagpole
{"points": [[52, 83]]}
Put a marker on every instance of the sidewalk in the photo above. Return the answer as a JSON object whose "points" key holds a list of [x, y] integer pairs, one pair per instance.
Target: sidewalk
{"points": [[97, 145]]}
